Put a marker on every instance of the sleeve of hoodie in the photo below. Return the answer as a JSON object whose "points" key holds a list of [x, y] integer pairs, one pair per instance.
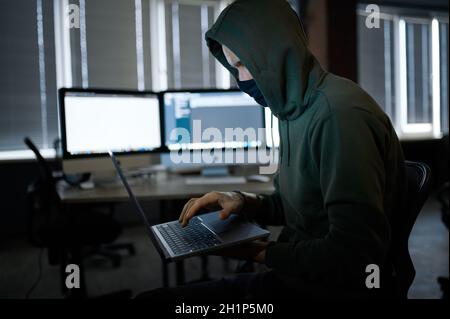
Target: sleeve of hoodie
{"points": [[347, 151], [272, 208]]}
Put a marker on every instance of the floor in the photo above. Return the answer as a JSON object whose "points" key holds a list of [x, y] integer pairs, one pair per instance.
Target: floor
{"points": [[429, 246]]}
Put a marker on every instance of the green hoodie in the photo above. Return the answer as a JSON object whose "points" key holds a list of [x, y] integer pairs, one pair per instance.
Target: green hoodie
{"points": [[341, 176]]}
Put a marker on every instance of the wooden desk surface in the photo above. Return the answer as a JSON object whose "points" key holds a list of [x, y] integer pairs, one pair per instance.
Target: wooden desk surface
{"points": [[173, 187]]}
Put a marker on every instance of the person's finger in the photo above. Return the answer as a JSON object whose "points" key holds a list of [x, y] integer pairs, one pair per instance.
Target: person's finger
{"points": [[225, 213], [199, 204], [193, 209], [186, 207]]}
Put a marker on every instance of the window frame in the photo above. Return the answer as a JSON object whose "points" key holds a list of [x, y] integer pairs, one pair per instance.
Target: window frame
{"points": [[399, 18]]}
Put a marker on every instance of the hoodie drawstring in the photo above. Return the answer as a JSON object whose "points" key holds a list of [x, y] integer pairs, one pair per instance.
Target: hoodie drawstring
{"points": [[272, 140], [281, 146], [288, 143], [271, 136]]}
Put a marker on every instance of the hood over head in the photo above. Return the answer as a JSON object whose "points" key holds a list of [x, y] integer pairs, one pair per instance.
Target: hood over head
{"points": [[268, 38]]}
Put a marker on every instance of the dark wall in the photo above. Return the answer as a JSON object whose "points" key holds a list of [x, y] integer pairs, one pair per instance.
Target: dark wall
{"points": [[342, 44]]}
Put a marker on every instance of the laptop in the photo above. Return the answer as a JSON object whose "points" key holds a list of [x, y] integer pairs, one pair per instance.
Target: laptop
{"points": [[203, 234]]}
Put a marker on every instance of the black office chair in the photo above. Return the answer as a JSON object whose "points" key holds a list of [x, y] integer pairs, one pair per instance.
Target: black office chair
{"points": [[419, 188], [443, 198], [69, 235]]}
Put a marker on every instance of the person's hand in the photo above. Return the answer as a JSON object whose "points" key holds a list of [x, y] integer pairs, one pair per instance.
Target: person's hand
{"points": [[227, 202], [255, 251]]}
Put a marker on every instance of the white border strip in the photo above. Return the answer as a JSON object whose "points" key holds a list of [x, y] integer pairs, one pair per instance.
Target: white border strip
{"points": [[436, 78], [158, 45], [139, 45]]}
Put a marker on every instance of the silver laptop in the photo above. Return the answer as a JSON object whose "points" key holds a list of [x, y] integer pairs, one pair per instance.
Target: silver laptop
{"points": [[203, 234]]}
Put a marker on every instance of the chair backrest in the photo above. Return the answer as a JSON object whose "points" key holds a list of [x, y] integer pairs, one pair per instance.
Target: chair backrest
{"points": [[419, 187], [42, 198], [45, 170]]}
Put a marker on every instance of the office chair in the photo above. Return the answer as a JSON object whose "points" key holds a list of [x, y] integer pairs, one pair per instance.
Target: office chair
{"points": [[107, 250], [69, 235], [443, 198], [419, 188]]}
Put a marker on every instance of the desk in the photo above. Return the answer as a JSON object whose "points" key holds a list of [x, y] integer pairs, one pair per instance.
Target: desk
{"points": [[171, 188]]}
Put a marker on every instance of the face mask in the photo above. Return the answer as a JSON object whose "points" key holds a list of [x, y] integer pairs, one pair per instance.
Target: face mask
{"points": [[252, 89]]}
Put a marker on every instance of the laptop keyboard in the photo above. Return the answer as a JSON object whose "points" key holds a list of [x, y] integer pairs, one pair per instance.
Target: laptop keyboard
{"points": [[191, 238]]}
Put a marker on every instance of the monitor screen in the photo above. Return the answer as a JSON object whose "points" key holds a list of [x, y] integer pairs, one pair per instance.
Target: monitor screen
{"points": [[97, 122], [228, 114]]}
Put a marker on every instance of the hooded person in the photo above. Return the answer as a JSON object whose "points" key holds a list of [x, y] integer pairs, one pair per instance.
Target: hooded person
{"points": [[341, 183]]}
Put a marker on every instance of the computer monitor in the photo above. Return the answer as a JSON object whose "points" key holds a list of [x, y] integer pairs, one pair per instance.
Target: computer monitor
{"points": [[93, 122], [202, 120], [195, 111]]}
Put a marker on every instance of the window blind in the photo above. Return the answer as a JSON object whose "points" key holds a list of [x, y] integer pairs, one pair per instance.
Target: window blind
{"points": [[27, 84]]}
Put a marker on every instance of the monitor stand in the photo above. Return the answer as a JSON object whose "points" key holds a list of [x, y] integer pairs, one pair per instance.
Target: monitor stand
{"points": [[215, 175], [109, 180], [215, 171], [105, 179]]}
